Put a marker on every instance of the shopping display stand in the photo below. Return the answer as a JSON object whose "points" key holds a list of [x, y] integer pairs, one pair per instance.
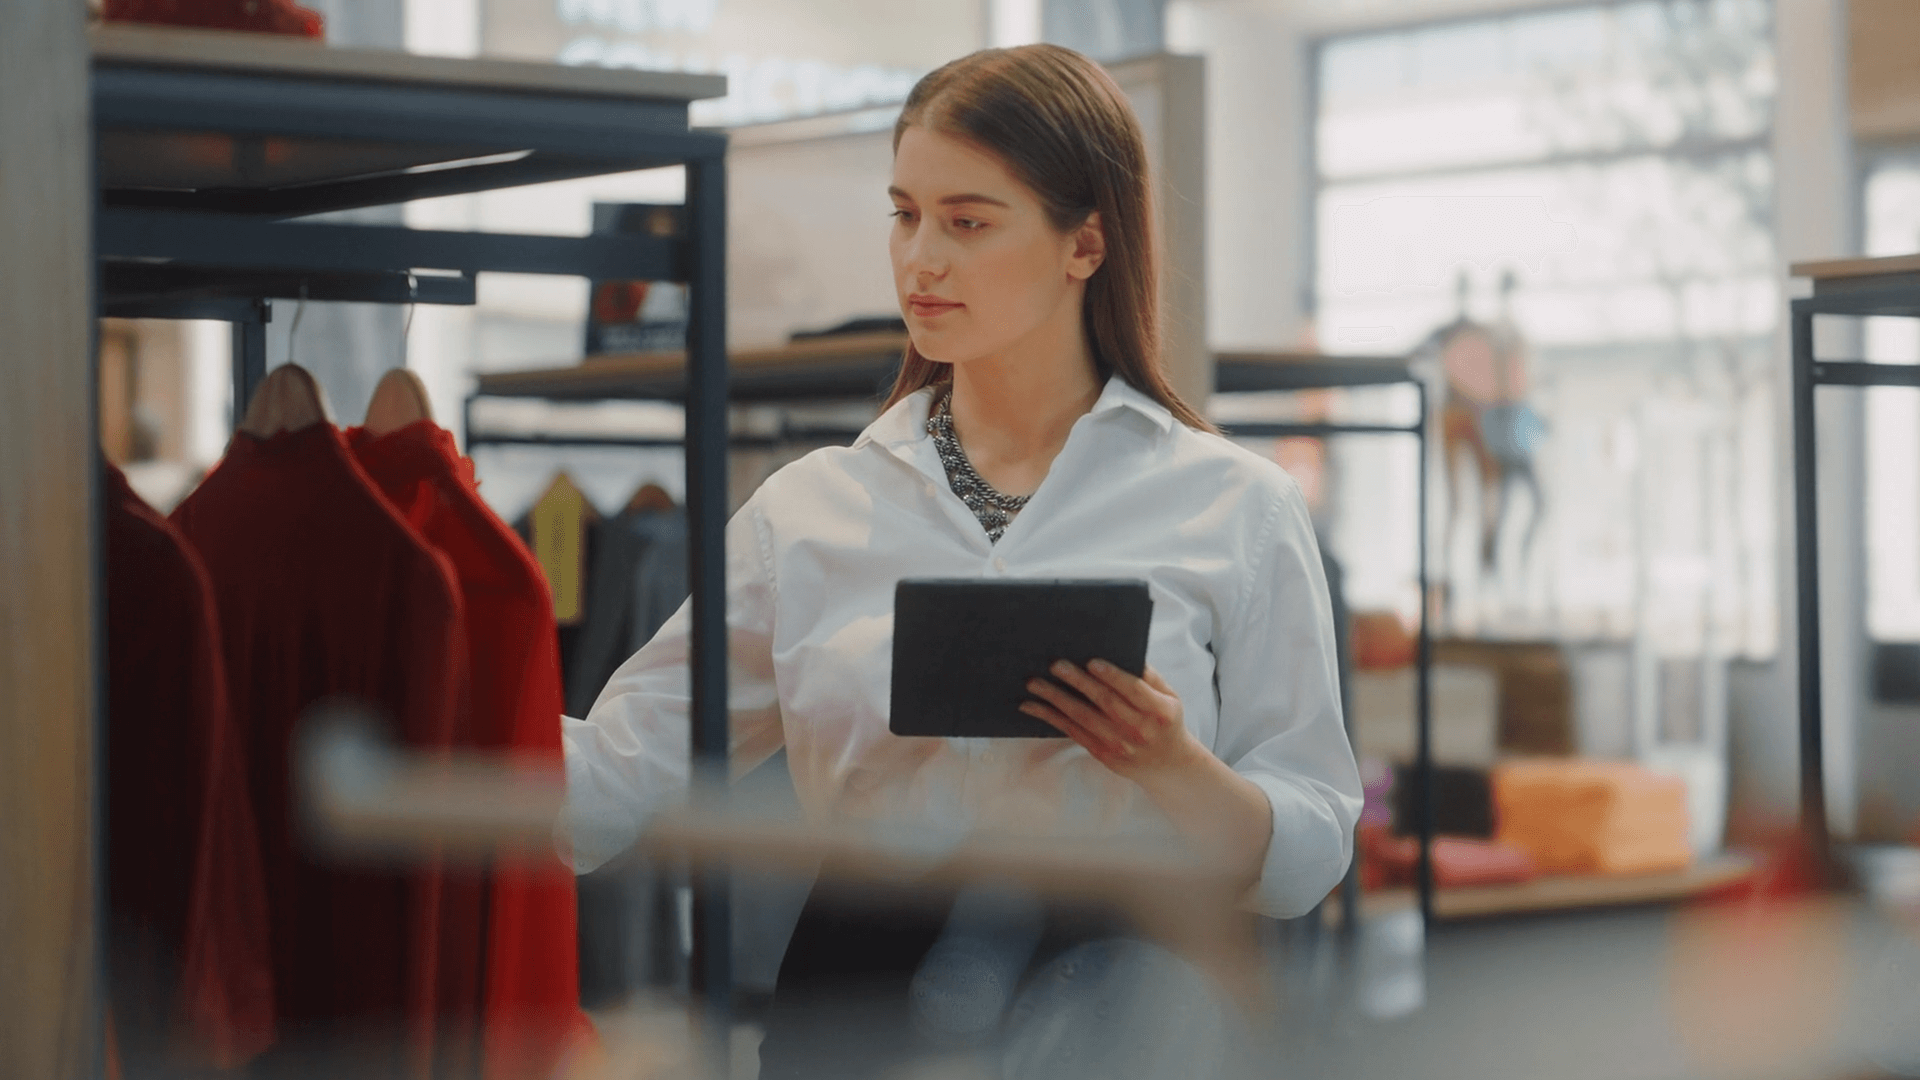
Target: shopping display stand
{"points": [[1852, 287], [209, 144], [861, 367]]}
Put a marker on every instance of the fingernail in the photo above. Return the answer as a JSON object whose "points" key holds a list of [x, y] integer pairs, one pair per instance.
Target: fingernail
{"points": [[1061, 667], [1100, 665], [1035, 685]]}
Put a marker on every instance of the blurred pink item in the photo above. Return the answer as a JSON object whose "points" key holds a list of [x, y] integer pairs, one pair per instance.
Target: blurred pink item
{"points": [[1376, 783], [1458, 863]]}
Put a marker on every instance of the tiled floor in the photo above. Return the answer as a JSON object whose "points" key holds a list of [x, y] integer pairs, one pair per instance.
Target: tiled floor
{"points": [[1823, 992]]}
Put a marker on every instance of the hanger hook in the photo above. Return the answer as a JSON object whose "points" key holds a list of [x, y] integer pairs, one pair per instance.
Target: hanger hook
{"points": [[294, 328], [406, 328]]}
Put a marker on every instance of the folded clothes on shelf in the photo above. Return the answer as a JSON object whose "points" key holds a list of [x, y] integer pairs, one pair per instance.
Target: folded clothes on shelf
{"points": [[1579, 816]]}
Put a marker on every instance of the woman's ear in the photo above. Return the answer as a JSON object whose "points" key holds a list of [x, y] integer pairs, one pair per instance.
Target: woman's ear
{"points": [[1089, 248]]}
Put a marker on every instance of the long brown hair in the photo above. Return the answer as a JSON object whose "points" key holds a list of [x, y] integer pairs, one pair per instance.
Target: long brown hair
{"points": [[1063, 126]]}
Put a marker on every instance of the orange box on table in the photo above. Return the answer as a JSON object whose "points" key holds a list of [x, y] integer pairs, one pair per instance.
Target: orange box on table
{"points": [[1591, 817]]}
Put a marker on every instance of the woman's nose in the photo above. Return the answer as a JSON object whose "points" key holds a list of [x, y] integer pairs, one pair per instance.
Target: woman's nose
{"points": [[924, 258]]}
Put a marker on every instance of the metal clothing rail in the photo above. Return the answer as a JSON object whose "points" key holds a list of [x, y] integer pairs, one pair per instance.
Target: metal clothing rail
{"points": [[861, 367], [207, 143], [1851, 287], [787, 437], [1253, 372]]}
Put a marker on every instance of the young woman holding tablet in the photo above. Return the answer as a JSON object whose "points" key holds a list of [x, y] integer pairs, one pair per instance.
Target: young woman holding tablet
{"points": [[1031, 434]]}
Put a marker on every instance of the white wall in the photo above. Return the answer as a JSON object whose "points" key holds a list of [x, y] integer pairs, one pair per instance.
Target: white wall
{"points": [[1257, 115]]}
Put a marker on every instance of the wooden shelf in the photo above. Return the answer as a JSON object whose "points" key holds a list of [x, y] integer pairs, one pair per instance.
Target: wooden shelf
{"points": [[1548, 894], [855, 366], [1831, 269], [1882, 286]]}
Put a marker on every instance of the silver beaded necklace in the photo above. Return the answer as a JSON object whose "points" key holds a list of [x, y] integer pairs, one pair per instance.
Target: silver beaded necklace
{"points": [[993, 509]]}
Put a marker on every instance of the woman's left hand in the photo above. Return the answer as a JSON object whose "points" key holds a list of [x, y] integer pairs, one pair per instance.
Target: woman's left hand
{"points": [[1132, 725]]}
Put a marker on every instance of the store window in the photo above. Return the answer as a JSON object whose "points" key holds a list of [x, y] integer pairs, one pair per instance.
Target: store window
{"points": [[1592, 187], [1892, 222], [782, 59]]}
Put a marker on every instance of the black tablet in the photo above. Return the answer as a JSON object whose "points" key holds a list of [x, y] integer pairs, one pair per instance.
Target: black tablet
{"points": [[963, 650]]}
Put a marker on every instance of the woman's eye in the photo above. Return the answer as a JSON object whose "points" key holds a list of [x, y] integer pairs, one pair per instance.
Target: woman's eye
{"points": [[902, 215], [968, 224]]}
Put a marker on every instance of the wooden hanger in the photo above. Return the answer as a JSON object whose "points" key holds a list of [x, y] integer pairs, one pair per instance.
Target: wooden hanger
{"points": [[399, 400], [650, 498], [289, 399]]}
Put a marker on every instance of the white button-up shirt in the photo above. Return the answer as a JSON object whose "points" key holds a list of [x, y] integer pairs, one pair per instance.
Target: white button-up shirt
{"points": [[1242, 630]]}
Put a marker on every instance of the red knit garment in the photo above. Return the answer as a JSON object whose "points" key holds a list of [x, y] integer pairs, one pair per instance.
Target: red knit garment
{"points": [[186, 900], [531, 964], [268, 16], [326, 594]]}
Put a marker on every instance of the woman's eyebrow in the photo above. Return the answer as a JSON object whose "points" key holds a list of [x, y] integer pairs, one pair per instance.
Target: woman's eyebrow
{"points": [[951, 200]]}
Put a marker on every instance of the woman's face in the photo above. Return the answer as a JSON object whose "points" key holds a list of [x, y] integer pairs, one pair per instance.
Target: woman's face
{"points": [[977, 266]]}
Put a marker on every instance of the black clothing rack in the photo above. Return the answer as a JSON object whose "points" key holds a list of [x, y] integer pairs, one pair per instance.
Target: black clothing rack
{"points": [[1252, 372], [862, 367], [1852, 287], [210, 144]]}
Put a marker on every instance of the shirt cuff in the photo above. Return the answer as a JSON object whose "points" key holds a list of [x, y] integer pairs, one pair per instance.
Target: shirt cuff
{"points": [[593, 828], [1308, 853]]}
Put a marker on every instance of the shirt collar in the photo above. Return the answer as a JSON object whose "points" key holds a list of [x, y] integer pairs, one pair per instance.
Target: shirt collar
{"points": [[1120, 394], [906, 422]]}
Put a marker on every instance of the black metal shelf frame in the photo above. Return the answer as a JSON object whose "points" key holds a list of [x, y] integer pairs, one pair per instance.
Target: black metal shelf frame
{"points": [[1331, 374], [1881, 294], [224, 252]]}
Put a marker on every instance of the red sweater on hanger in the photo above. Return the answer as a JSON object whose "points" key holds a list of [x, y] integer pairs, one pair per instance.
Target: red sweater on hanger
{"points": [[325, 592], [531, 965], [185, 897]]}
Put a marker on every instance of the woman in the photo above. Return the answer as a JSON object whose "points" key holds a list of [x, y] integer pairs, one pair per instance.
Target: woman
{"points": [[1031, 433]]}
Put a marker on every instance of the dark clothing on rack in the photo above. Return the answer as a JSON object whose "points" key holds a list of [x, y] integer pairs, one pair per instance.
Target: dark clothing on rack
{"points": [[571, 633], [599, 641], [190, 973], [636, 579], [325, 592], [1462, 801], [529, 980]]}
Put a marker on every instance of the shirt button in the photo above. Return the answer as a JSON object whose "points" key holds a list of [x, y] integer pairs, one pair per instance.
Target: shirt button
{"points": [[987, 757], [999, 564]]}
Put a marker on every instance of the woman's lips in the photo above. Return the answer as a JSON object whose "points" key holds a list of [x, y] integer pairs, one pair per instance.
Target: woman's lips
{"points": [[927, 309]]}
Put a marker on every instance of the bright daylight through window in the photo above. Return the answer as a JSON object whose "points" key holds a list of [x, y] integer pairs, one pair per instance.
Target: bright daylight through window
{"points": [[1591, 187]]}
